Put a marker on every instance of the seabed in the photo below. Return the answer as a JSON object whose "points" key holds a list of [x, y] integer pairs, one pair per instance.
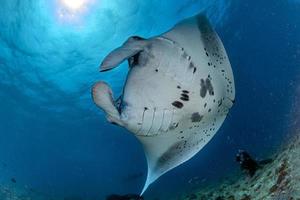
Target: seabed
{"points": [[278, 180]]}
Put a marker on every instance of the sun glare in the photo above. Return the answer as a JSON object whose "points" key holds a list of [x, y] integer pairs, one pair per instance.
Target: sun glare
{"points": [[72, 11], [74, 4]]}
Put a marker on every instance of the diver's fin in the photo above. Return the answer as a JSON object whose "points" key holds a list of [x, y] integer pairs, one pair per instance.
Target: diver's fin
{"points": [[130, 48], [265, 162], [103, 97]]}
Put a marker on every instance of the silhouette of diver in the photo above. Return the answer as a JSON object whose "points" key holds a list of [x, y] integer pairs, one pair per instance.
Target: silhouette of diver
{"points": [[125, 197], [248, 164]]}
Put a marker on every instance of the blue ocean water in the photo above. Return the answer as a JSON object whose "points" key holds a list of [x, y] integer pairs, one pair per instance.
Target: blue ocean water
{"points": [[54, 140]]}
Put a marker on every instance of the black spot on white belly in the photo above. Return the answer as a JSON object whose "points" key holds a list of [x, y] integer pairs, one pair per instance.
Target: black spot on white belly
{"points": [[177, 104], [206, 86], [220, 103], [209, 87], [194, 71], [203, 89], [196, 117], [184, 97]]}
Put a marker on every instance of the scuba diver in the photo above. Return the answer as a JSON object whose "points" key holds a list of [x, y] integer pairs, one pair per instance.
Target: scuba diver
{"points": [[248, 164], [125, 197]]}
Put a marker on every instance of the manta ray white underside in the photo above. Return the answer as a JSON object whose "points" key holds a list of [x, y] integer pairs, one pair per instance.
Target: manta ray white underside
{"points": [[179, 89]]}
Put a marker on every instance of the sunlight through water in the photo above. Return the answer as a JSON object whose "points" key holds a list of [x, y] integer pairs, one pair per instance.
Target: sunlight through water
{"points": [[74, 4], [72, 10]]}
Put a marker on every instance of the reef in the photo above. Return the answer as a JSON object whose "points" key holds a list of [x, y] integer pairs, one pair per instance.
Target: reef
{"points": [[277, 180]]}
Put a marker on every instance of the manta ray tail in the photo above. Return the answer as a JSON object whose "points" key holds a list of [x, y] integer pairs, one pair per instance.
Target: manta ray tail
{"points": [[145, 187], [150, 179]]}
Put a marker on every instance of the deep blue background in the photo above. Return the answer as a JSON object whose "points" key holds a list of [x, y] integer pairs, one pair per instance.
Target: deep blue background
{"points": [[53, 138]]}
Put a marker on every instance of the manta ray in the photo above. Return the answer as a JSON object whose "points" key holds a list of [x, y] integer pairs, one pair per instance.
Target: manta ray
{"points": [[178, 92]]}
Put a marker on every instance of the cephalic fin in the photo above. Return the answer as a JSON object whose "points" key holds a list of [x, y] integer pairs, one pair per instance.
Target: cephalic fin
{"points": [[103, 98], [131, 47]]}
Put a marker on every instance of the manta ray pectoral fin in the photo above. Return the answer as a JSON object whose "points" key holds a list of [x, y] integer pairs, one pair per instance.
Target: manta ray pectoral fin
{"points": [[217, 53], [131, 47], [197, 36], [103, 98], [168, 150]]}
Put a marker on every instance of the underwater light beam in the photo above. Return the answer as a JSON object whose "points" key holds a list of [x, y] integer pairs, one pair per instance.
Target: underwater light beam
{"points": [[74, 4]]}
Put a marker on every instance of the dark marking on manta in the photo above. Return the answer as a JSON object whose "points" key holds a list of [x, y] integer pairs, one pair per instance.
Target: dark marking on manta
{"points": [[134, 60], [184, 99], [185, 91], [177, 104], [185, 95], [195, 69], [170, 153], [206, 86], [196, 117], [220, 103], [203, 89]]}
